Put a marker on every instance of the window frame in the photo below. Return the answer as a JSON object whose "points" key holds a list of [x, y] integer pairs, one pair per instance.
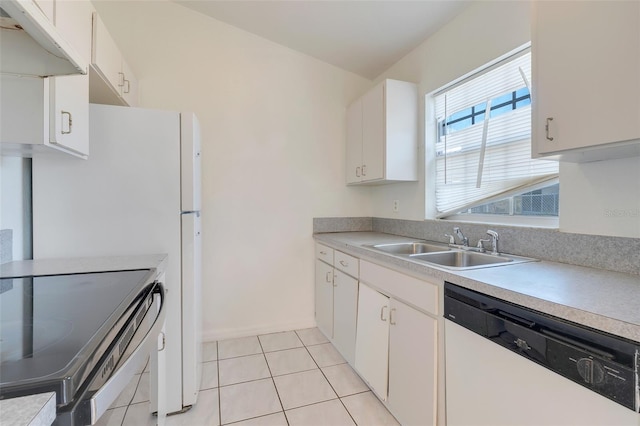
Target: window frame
{"points": [[432, 133]]}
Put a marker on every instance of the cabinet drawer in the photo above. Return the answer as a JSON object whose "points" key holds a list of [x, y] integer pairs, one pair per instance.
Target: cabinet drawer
{"points": [[324, 253], [419, 293], [346, 263]]}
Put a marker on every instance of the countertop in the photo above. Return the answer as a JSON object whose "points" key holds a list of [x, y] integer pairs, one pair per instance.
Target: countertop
{"points": [[32, 410], [81, 265], [600, 299]]}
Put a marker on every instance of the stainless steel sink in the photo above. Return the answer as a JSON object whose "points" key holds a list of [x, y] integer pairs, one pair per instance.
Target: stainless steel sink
{"points": [[410, 248], [462, 260]]}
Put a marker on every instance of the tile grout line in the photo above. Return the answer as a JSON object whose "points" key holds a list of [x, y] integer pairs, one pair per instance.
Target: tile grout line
{"points": [[328, 381], [131, 400], [273, 381]]}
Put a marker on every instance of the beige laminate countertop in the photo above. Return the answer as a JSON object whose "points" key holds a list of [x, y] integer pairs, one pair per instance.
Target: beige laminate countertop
{"points": [[604, 300], [32, 410]]}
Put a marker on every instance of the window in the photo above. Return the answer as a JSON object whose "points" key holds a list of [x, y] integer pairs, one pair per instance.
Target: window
{"points": [[483, 146], [540, 202]]}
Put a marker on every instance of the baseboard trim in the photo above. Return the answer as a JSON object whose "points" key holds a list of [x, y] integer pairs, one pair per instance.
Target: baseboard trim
{"points": [[236, 332]]}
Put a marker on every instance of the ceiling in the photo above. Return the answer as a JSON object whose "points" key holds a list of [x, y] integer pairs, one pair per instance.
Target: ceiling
{"points": [[364, 37]]}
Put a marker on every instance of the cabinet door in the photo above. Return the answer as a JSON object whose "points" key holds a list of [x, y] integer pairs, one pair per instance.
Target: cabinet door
{"points": [[373, 134], [69, 95], [69, 113], [354, 142], [105, 56], [585, 80], [412, 365], [372, 339], [47, 7], [129, 89], [345, 307], [73, 19], [324, 298]]}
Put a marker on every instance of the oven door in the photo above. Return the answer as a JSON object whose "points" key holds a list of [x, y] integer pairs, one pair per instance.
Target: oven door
{"points": [[128, 350]]}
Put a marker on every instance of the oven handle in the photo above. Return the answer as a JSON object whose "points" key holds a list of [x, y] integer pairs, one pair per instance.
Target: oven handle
{"points": [[101, 400]]}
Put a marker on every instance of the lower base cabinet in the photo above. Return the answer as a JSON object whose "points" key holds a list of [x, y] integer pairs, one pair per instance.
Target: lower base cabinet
{"points": [[372, 340], [412, 365], [336, 300], [345, 306], [396, 354], [324, 298]]}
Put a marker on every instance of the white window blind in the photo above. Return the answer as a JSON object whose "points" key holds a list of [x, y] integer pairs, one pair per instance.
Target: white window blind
{"points": [[481, 155]]}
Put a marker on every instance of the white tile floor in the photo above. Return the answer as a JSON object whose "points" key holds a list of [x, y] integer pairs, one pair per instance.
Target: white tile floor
{"points": [[291, 378]]}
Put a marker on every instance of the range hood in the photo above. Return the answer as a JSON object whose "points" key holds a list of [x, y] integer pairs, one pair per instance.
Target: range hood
{"points": [[30, 45]]}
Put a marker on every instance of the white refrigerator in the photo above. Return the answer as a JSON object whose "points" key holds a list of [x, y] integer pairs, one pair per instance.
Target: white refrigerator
{"points": [[138, 193]]}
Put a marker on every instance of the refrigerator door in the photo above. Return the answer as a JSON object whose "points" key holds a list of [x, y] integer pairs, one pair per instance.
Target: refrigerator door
{"points": [[190, 162], [191, 307]]}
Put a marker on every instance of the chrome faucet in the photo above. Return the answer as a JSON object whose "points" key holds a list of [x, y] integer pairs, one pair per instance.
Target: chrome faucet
{"points": [[465, 240], [494, 241]]}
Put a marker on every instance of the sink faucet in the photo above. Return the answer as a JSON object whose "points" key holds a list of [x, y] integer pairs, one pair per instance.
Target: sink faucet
{"points": [[494, 241], [465, 240]]}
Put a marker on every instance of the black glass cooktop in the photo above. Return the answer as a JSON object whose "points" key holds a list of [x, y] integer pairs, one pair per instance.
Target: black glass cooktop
{"points": [[50, 325]]}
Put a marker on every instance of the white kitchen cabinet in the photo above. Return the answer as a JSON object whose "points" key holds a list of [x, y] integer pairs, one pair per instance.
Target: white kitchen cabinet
{"points": [[372, 339], [397, 344], [382, 129], [47, 7], [69, 95], [324, 298], [345, 307], [41, 114], [112, 80], [32, 45], [69, 114], [336, 293], [586, 84], [412, 365]]}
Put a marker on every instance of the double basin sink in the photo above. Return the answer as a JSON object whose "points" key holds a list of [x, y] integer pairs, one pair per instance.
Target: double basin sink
{"points": [[444, 256]]}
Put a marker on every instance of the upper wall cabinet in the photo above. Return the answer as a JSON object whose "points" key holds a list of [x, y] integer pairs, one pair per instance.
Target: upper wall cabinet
{"points": [[31, 43], [586, 80], [44, 115], [69, 95], [382, 135], [112, 80]]}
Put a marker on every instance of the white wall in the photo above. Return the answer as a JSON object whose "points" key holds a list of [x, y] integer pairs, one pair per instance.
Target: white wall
{"points": [[481, 33], [601, 198], [273, 129]]}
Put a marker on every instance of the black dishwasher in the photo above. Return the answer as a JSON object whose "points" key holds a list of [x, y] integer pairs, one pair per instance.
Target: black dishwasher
{"points": [[601, 362]]}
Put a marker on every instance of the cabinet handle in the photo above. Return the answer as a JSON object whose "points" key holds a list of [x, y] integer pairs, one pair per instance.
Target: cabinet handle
{"points": [[122, 80], [364, 170], [328, 277], [391, 320], [324, 253], [127, 84], [70, 123], [335, 280], [382, 313], [357, 171], [164, 341], [343, 263], [546, 128]]}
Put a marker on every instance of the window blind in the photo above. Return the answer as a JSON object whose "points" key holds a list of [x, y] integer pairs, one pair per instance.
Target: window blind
{"points": [[480, 153]]}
